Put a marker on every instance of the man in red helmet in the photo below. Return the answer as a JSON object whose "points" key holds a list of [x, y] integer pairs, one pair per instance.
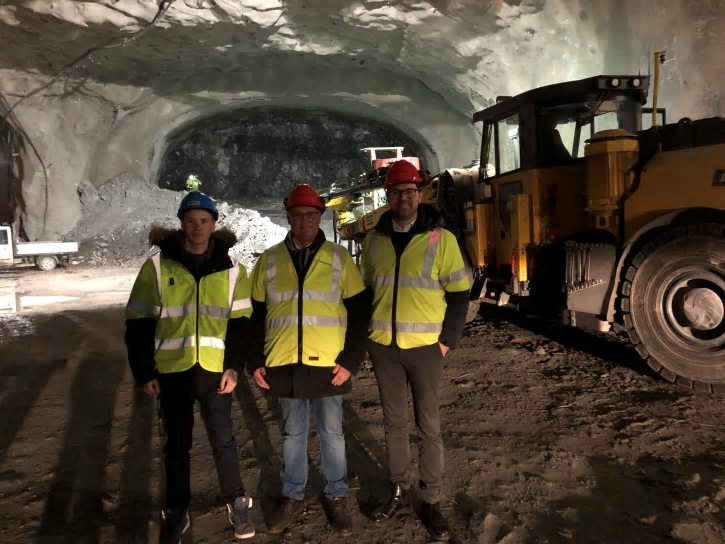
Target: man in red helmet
{"points": [[311, 309], [419, 285]]}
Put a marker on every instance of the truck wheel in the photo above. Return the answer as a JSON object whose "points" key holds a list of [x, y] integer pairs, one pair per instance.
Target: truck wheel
{"points": [[673, 302], [46, 262]]}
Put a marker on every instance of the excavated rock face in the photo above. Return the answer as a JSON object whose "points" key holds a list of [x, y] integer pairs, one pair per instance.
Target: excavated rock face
{"points": [[416, 70], [268, 151]]}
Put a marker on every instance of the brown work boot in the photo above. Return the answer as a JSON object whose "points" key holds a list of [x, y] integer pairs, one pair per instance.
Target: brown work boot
{"points": [[337, 512], [285, 514]]}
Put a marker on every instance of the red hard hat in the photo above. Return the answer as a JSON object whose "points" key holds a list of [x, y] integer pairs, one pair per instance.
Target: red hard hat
{"points": [[304, 195], [402, 172]]}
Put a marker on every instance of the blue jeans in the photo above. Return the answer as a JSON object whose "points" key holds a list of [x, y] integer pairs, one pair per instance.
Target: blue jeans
{"points": [[328, 419]]}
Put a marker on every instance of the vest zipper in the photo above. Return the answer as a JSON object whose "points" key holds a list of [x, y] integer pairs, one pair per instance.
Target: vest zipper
{"points": [[394, 341], [198, 340], [301, 280]]}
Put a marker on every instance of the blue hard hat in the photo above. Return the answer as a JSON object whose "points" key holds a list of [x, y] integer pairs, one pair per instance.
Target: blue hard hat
{"points": [[196, 200]]}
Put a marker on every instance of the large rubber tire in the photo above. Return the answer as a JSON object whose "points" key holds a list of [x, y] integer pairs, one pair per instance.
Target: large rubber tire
{"points": [[673, 303], [46, 262]]}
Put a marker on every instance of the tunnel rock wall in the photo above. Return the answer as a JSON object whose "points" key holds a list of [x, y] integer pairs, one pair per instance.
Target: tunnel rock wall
{"points": [[620, 37], [62, 135], [140, 142], [693, 35], [266, 151], [87, 132]]}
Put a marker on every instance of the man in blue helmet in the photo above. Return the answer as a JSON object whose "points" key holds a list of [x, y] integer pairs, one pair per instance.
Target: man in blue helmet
{"points": [[186, 325]]}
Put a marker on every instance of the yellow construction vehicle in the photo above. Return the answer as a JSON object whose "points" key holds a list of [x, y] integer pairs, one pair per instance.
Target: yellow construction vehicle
{"points": [[596, 220], [577, 213]]}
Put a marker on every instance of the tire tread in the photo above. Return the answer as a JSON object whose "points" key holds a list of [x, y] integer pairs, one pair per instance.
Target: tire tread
{"points": [[662, 239]]}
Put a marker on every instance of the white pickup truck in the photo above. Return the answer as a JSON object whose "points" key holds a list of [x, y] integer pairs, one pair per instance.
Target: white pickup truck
{"points": [[45, 255]]}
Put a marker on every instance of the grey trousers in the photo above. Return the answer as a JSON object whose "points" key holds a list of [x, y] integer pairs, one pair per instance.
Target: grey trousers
{"points": [[422, 369]]}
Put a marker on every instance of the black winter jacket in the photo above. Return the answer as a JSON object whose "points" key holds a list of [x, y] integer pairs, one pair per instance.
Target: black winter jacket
{"points": [[140, 333]]}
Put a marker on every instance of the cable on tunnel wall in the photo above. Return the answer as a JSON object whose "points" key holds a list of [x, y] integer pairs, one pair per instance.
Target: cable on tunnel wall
{"points": [[164, 6]]}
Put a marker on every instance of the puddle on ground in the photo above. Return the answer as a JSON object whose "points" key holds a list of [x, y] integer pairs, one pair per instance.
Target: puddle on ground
{"points": [[13, 323], [13, 302]]}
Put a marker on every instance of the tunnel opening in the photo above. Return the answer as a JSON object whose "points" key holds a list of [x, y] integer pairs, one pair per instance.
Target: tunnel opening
{"points": [[262, 153]]}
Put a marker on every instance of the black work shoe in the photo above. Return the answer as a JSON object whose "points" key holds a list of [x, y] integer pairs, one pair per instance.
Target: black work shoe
{"points": [[397, 504], [239, 517], [340, 519], [435, 522], [176, 522], [285, 514]]}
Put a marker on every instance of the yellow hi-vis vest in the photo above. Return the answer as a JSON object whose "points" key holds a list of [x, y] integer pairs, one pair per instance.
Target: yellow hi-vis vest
{"points": [[308, 329], [191, 318], [411, 301]]}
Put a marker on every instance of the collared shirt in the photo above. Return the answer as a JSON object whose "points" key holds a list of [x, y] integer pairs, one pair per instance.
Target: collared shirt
{"points": [[302, 256], [406, 227]]}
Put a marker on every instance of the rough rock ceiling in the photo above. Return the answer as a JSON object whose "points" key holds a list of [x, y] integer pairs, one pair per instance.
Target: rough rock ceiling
{"points": [[468, 51]]}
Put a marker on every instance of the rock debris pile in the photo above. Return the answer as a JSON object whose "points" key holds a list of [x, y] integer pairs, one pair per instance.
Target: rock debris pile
{"points": [[118, 215]]}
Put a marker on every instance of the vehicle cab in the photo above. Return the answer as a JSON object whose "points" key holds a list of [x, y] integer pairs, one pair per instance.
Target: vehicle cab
{"points": [[7, 254], [532, 162]]}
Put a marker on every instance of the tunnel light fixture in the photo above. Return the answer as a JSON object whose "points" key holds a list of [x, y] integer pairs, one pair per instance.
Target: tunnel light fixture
{"points": [[614, 82], [635, 82]]}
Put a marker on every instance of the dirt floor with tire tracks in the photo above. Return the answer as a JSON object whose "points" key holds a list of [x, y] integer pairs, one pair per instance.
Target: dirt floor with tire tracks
{"points": [[551, 436]]}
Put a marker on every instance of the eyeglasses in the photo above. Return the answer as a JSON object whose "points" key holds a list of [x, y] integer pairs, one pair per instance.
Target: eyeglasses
{"points": [[394, 194], [309, 216]]}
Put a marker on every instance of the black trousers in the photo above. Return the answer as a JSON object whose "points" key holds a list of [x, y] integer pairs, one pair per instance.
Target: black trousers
{"points": [[178, 392], [421, 368]]}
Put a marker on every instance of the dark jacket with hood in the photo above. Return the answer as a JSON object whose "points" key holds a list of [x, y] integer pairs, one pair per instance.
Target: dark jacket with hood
{"points": [[457, 302], [140, 333], [300, 381]]}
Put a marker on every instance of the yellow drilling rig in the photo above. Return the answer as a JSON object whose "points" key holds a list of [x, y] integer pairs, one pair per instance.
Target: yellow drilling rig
{"points": [[576, 212]]}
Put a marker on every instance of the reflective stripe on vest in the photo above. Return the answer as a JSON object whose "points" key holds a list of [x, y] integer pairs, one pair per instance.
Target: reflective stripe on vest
{"points": [[189, 342], [241, 304], [407, 327], [178, 311], [425, 281], [233, 275], [316, 320], [144, 308], [188, 309], [175, 343], [430, 255], [454, 277], [333, 295]]}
